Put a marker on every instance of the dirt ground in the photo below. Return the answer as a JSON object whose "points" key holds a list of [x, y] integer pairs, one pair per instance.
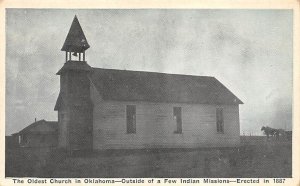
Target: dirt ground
{"points": [[257, 157]]}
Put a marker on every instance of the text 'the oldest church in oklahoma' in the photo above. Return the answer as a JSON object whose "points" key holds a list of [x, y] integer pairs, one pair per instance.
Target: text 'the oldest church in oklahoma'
{"points": [[120, 109]]}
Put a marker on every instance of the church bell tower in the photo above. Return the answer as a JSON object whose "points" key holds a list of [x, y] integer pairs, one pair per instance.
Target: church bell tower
{"points": [[74, 105]]}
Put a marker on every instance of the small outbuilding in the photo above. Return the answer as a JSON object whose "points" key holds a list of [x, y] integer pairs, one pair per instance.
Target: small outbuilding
{"points": [[41, 133]]}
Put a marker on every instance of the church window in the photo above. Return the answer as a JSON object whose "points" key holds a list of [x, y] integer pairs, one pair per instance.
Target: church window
{"points": [[131, 119], [220, 120], [178, 118]]}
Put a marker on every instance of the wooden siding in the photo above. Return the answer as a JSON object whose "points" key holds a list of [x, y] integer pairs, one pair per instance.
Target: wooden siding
{"points": [[75, 128], [80, 128], [155, 125], [62, 128]]}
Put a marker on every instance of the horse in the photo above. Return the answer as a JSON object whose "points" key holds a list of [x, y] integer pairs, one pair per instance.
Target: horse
{"points": [[268, 131]]}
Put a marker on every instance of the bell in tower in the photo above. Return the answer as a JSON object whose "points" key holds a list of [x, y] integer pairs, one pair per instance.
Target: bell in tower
{"points": [[75, 43], [74, 106]]}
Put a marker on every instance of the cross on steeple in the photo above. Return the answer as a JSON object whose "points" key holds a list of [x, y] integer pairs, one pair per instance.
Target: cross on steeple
{"points": [[75, 42]]}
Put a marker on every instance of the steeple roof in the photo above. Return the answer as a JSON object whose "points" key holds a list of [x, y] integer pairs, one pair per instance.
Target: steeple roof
{"points": [[75, 41]]}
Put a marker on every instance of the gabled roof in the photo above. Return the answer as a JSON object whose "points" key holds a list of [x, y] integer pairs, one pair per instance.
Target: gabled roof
{"points": [[75, 41], [123, 85], [41, 127]]}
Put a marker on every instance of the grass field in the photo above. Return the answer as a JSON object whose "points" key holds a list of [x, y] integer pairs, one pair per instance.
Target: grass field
{"points": [[257, 157]]}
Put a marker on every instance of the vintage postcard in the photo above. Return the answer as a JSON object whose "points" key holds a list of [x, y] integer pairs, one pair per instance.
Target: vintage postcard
{"points": [[131, 93]]}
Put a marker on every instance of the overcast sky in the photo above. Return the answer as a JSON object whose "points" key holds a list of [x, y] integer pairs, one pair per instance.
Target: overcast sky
{"points": [[249, 51]]}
